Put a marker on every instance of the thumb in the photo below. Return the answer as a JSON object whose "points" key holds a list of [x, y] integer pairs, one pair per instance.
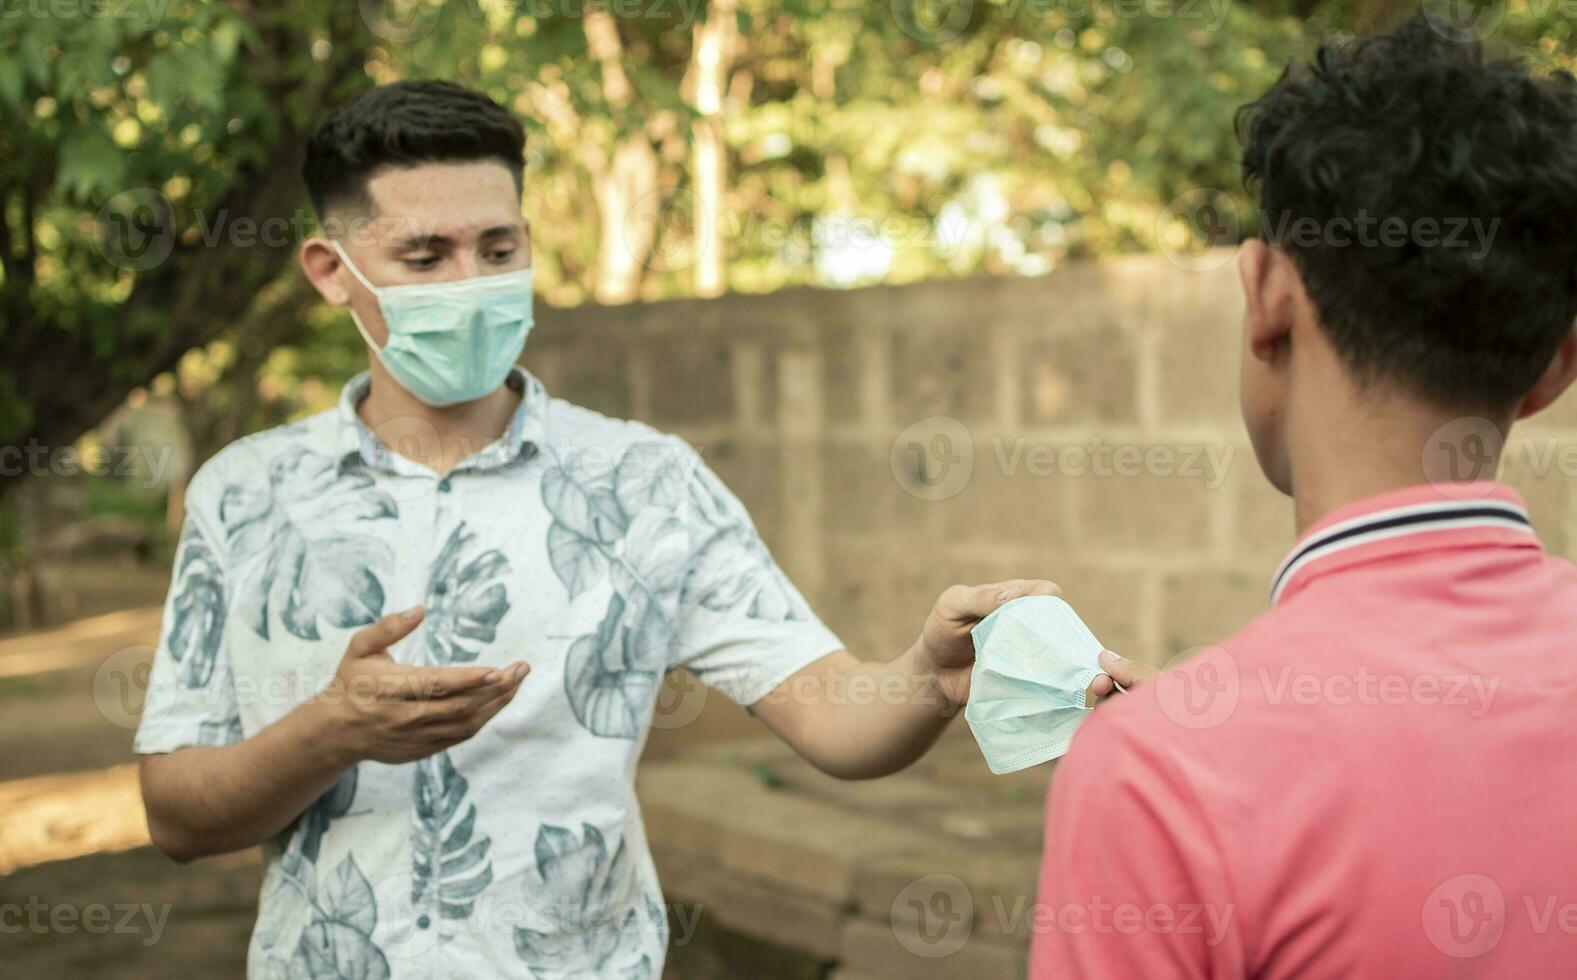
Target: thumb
{"points": [[1124, 671], [372, 640]]}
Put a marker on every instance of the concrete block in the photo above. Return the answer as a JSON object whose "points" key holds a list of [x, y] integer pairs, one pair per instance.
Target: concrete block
{"points": [[937, 952]]}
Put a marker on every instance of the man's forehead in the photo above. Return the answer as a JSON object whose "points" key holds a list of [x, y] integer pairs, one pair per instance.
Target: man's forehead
{"points": [[443, 200]]}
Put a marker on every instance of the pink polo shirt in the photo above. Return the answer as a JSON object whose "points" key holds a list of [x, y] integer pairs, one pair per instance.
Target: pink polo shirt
{"points": [[1375, 778]]}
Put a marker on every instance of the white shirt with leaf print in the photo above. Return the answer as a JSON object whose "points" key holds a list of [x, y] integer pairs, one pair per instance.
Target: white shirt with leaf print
{"points": [[600, 551]]}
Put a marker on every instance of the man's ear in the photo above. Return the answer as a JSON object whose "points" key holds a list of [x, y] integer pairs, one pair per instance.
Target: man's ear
{"points": [[1557, 377], [1268, 289], [322, 264]]}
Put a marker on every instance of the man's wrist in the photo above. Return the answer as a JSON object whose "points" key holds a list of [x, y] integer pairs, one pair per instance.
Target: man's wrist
{"points": [[324, 735], [928, 677]]}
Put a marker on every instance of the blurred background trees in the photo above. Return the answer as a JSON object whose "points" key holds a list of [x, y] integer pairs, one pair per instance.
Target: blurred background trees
{"points": [[150, 203]]}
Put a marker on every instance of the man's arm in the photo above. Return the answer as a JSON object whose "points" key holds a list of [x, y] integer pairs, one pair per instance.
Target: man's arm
{"points": [[203, 800], [862, 719]]}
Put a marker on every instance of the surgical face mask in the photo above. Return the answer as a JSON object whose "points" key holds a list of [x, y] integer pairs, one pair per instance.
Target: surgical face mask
{"points": [[1034, 660], [451, 342]]}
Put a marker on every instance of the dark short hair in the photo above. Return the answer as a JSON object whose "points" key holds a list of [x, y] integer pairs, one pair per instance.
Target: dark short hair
{"points": [[401, 125], [1420, 124]]}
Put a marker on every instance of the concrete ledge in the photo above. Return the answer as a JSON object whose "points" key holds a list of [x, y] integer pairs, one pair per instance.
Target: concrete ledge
{"points": [[927, 874]]}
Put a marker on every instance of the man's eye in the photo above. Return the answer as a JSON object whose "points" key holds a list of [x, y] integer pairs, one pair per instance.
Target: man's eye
{"points": [[423, 263], [501, 255]]}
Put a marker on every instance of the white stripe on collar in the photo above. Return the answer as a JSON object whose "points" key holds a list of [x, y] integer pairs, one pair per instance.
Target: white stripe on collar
{"points": [[1398, 522]]}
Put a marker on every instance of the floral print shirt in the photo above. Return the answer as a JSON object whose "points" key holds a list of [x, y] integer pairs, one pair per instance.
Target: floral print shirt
{"points": [[600, 551]]}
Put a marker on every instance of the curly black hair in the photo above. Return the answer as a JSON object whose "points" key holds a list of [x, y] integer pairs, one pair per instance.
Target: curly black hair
{"points": [[1470, 162], [401, 125]]}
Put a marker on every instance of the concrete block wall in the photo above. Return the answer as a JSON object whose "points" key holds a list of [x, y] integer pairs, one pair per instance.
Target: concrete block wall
{"points": [[806, 402]]}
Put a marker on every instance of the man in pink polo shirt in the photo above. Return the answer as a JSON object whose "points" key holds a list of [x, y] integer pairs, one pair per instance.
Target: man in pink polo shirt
{"points": [[1378, 776]]}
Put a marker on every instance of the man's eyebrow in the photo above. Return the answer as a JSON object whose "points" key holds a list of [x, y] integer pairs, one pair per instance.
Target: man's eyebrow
{"points": [[421, 241], [424, 241]]}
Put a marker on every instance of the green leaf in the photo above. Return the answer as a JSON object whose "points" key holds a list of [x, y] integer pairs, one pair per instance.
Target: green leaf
{"points": [[11, 81], [89, 162]]}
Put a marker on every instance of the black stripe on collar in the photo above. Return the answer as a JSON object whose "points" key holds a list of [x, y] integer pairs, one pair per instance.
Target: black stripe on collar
{"points": [[1433, 518]]}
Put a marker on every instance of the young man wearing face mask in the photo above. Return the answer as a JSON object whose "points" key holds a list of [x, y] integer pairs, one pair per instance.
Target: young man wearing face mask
{"points": [[413, 643], [1374, 778]]}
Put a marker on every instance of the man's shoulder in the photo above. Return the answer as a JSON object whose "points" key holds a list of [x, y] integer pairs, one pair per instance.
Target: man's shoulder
{"points": [[576, 431], [1202, 703], [312, 438]]}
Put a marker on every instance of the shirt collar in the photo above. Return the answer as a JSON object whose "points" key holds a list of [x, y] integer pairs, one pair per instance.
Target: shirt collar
{"points": [[1403, 521], [526, 430]]}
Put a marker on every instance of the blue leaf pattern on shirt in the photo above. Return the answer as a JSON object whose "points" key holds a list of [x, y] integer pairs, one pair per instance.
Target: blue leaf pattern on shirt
{"points": [[197, 627], [605, 920], [466, 599], [337, 944], [449, 869], [306, 563], [617, 522], [325, 932]]}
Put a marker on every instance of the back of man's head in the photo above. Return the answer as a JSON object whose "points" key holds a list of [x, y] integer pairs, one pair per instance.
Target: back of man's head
{"points": [[1428, 196]]}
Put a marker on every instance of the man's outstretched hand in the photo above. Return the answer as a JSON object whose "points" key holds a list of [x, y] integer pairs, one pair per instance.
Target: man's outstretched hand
{"points": [[1126, 672], [391, 712]]}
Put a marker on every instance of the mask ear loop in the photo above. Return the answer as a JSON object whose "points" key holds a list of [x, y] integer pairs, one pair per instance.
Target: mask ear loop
{"points": [[371, 289], [355, 271]]}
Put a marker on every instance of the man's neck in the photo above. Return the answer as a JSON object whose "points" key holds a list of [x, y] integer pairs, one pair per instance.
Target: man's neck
{"points": [[1351, 449], [437, 438]]}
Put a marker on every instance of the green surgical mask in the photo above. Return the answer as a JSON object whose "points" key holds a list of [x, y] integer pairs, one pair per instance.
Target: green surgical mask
{"points": [[1034, 661], [451, 342]]}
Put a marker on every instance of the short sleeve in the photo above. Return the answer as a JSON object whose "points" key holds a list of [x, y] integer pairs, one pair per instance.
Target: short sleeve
{"points": [[743, 626], [191, 696]]}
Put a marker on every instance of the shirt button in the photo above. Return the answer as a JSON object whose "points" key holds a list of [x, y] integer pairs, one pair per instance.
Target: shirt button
{"points": [[443, 485], [440, 588]]}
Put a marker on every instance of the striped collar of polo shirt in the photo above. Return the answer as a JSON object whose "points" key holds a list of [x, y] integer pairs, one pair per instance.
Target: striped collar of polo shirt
{"points": [[1462, 515]]}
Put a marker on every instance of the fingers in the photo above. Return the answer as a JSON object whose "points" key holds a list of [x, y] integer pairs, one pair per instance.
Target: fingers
{"points": [[1126, 672], [432, 683], [467, 725], [978, 602], [391, 629], [1102, 686], [459, 706]]}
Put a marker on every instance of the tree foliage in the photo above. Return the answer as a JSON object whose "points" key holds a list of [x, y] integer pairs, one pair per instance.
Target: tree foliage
{"points": [[807, 141]]}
